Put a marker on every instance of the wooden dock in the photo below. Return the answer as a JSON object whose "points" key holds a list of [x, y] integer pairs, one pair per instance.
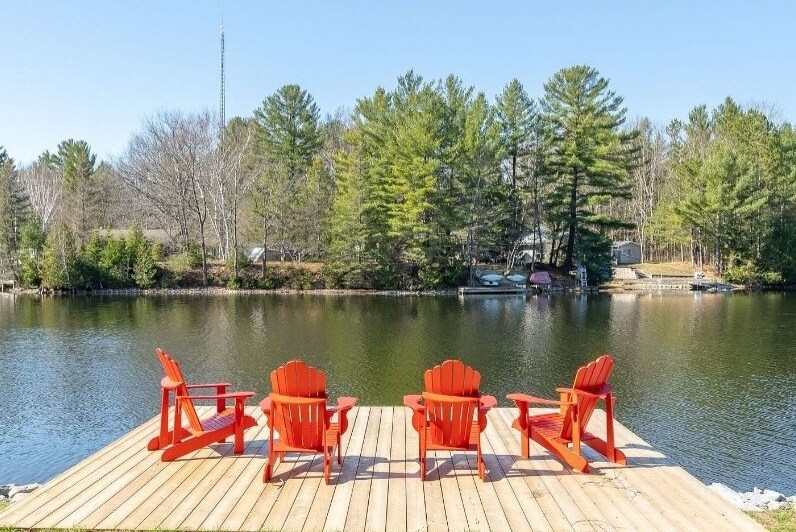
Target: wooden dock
{"points": [[123, 486], [492, 290], [704, 285]]}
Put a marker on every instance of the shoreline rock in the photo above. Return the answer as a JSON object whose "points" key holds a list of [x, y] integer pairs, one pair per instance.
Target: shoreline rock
{"points": [[16, 492], [757, 500]]}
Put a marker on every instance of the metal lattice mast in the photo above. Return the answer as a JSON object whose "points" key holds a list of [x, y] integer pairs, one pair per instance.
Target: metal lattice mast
{"points": [[222, 102]]}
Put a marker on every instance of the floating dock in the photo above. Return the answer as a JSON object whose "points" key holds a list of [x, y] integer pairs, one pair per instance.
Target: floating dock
{"points": [[492, 290], [124, 486], [702, 285]]}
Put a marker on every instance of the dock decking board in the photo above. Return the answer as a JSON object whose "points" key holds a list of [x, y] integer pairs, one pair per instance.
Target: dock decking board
{"points": [[124, 486]]}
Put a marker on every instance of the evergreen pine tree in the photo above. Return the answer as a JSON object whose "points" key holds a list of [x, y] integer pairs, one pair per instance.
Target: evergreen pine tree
{"points": [[288, 136], [59, 260], [31, 243], [588, 156], [82, 192], [14, 209], [144, 268]]}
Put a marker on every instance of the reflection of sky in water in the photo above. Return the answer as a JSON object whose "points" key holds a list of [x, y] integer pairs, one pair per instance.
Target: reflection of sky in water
{"points": [[707, 378]]}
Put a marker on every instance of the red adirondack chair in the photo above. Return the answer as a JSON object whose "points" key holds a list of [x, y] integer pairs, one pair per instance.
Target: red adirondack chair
{"points": [[451, 412], [181, 440], [557, 431], [297, 410]]}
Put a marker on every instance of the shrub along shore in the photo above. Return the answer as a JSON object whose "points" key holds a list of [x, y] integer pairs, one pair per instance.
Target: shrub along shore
{"points": [[134, 265]]}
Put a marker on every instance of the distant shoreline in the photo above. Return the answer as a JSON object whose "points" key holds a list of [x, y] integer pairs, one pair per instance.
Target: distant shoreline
{"points": [[221, 291], [342, 292]]}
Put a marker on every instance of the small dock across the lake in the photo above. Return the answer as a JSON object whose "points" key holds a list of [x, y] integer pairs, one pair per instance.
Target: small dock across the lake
{"points": [[492, 290], [124, 486], [704, 285]]}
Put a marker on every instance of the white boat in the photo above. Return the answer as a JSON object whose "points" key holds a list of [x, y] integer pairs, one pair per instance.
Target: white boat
{"points": [[491, 279], [516, 279]]}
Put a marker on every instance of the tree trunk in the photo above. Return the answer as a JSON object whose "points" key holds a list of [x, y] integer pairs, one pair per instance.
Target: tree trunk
{"points": [[641, 244], [265, 243], [514, 171], [204, 253], [573, 221], [235, 237]]}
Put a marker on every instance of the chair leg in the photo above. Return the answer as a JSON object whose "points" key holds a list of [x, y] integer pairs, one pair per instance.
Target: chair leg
{"points": [[166, 436], [525, 447], [574, 459], [609, 429], [611, 453], [327, 465], [160, 442], [339, 451], [480, 460], [238, 439], [268, 469], [563, 453], [422, 465]]}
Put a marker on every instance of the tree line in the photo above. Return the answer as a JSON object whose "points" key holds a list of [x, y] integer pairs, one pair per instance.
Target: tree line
{"points": [[411, 188]]}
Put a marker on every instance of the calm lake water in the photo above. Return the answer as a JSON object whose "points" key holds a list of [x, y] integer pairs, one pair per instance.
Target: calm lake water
{"points": [[709, 379]]}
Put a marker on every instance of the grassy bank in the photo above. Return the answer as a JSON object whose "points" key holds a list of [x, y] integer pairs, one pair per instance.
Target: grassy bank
{"points": [[777, 520]]}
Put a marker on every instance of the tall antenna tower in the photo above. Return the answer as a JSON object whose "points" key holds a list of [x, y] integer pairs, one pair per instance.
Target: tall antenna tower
{"points": [[222, 103]]}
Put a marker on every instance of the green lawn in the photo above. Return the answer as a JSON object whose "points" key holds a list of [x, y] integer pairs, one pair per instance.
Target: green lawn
{"points": [[777, 520], [667, 269]]}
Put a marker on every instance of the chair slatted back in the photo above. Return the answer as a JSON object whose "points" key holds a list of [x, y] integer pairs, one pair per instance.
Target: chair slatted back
{"points": [[589, 378], [174, 374], [451, 422], [301, 425]]}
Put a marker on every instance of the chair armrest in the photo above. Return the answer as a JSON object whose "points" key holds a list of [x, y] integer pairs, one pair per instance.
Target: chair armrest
{"points": [[232, 395], [413, 402], [168, 384], [597, 394], [487, 402], [343, 404], [532, 399], [208, 385], [266, 404]]}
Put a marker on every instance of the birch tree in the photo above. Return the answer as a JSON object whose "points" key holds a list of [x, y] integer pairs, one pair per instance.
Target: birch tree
{"points": [[41, 182], [236, 174], [647, 179]]}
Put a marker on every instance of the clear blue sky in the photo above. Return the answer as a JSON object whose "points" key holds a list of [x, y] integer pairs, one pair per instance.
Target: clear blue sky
{"points": [[94, 70]]}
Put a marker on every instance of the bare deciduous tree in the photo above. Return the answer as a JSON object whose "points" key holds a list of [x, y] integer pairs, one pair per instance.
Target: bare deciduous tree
{"points": [[43, 186], [647, 179], [171, 163]]}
